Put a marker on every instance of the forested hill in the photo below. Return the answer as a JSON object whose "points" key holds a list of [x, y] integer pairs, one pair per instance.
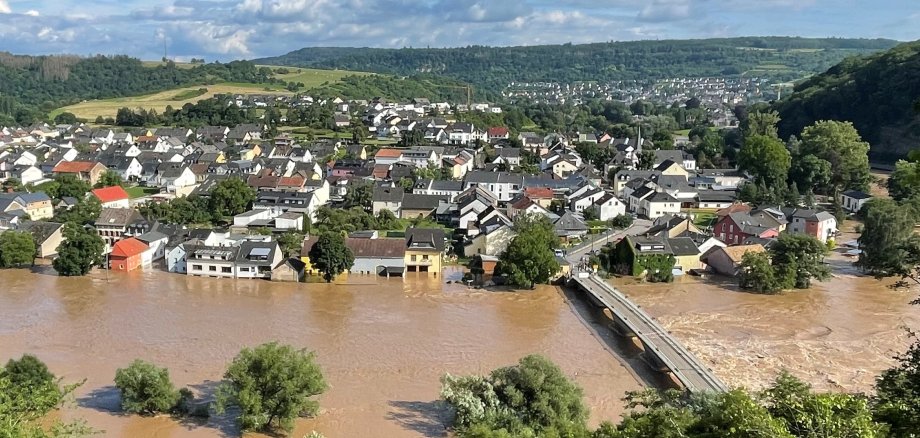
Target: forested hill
{"points": [[880, 94], [785, 58], [32, 85]]}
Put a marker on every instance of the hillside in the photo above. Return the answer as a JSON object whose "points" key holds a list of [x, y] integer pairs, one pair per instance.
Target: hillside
{"points": [[878, 93], [783, 58], [34, 85], [176, 97]]}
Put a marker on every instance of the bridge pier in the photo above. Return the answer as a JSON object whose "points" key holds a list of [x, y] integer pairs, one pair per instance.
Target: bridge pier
{"points": [[659, 350]]}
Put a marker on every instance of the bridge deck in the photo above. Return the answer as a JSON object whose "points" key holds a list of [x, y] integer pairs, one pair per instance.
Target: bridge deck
{"points": [[685, 366]]}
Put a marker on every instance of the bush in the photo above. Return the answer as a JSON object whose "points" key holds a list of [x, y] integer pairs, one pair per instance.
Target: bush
{"points": [[146, 389]]}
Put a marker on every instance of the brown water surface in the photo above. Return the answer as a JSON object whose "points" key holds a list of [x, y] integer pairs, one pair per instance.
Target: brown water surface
{"points": [[382, 344], [839, 335]]}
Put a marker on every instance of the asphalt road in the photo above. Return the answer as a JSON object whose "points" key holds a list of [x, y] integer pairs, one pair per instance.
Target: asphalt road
{"points": [[575, 254]]}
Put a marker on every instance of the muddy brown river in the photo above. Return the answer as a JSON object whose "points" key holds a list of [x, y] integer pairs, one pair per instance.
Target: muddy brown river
{"points": [[838, 335], [382, 344]]}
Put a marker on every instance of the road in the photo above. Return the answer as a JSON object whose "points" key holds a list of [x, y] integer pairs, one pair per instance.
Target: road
{"points": [[575, 254], [683, 364]]}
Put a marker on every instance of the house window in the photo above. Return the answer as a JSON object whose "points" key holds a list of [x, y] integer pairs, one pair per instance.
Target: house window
{"points": [[414, 258], [198, 267], [731, 229], [244, 269], [425, 258], [225, 269], [212, 268]]}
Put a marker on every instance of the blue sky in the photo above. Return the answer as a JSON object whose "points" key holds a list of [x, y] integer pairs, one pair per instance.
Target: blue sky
{"points": [[239, 29]]}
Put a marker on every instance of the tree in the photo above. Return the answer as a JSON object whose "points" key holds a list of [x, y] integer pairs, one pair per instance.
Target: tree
{"points": [[407, 184], [810, 171], [762, 123], [803, 255], [646, 159], [904, 182], [766, 158], [812, 415], [330, 255], [110, 178], [386, 220], [272, 385], [529, 258], [17, 248], [414, 137], [71, 186], [886, 230], [591, 213], [756, 273], [897, 400], [291, 242], [146, 388], [28, 392], [86, 211], [621, 221], [839, 144], [12, 185], [532, 398], [65, 118], [359, 194], [231, 197], [81, 250]]}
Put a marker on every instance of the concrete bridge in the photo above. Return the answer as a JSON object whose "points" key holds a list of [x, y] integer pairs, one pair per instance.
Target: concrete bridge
{"points": [[661, 350]]}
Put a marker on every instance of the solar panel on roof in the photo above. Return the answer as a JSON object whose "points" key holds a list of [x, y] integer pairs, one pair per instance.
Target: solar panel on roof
{"points": [[259, 252]]}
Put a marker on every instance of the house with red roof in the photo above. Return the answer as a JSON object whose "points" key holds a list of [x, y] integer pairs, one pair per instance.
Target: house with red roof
{"points": [[498, 133], [112, 197], [127, 255], [89, 171]]}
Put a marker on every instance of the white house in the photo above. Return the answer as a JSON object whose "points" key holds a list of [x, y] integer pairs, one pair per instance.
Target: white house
{"points": [[658, 204], [609, 207], [853, 200]]}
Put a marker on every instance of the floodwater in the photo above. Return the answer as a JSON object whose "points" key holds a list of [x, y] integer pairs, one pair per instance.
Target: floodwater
{"points": [[838, 336], [382, 343]]}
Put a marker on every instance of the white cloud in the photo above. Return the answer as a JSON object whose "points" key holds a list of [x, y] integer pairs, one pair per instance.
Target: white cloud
{"points": [[32, 13], [665, 10], [5, 7]]}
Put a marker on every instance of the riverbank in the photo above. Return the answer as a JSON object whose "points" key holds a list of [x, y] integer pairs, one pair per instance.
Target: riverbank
{"points": [[383, 344]]}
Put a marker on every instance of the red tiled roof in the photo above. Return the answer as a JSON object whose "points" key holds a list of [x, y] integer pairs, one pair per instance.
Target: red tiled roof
{"points": [[291, 181], [381, 171], [128, 248], [388, 153], [522, 203], [74, 166], [498, 131], [110, 194], [538, 192]]}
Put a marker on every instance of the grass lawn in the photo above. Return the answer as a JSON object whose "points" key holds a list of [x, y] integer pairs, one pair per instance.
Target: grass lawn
{"points": [[138, 191], [108, 107], [703, 218]]}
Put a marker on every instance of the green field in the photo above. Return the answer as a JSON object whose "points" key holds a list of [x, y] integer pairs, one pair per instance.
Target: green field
{"points": [[177, 97]]}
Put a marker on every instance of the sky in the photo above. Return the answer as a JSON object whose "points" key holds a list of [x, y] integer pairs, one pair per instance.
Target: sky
{"points": [[244, 29]]}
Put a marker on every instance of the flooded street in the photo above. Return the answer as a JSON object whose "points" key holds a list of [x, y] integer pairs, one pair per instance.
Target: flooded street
{"points": [[839, 335], [382, 344]]}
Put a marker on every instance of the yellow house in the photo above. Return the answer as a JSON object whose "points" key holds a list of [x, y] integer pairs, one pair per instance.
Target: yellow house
{"points": [[424, 250], [308, 269], [221, 158], [564, 168], [669, 167]]}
